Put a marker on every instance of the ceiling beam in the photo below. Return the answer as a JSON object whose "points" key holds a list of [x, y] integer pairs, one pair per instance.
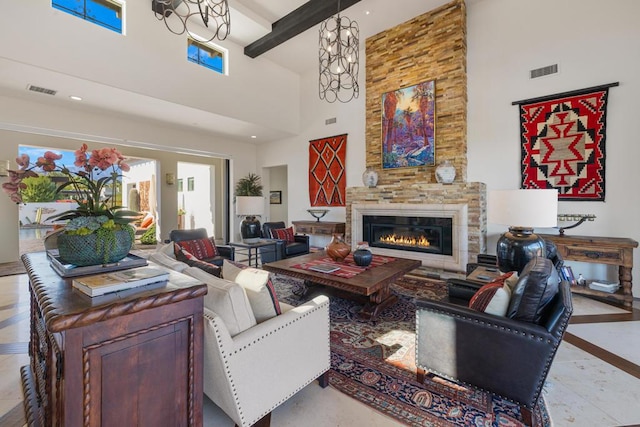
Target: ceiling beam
{"points": [[306, 16]]}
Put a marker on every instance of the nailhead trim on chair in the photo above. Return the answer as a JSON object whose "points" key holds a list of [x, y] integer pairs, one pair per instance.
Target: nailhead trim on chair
{"points": [[539, 386], [224, 357]]}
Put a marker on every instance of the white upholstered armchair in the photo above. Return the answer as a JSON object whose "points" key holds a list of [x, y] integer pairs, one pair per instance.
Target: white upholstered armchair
{"points": [[250, 374]]}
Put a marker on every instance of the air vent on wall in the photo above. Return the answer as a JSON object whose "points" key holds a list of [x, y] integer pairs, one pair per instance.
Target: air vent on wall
{"points": [[330, 121], [544, 71], [42, 90]]}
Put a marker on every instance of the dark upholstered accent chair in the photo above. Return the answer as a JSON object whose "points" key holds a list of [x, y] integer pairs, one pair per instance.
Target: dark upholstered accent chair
{"points": [[463, 289], [283, 249], [504, 356], [224, 251]]}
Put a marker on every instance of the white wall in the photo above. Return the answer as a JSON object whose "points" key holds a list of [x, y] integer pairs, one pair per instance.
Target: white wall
{"points": [[148, 60], [278, 182], [295, 151], [594, 42]]}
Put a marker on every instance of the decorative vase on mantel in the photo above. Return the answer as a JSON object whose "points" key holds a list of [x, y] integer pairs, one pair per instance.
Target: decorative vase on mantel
{"points": [[338, 249], [445, 172], [370, 177], [95, 248]]}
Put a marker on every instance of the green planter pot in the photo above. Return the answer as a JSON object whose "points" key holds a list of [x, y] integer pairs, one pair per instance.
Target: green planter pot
{"points": [[88, 250]]}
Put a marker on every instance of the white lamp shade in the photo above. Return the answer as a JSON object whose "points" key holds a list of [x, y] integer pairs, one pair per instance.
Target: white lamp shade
{"points": [[249, 205], [524, 208]]}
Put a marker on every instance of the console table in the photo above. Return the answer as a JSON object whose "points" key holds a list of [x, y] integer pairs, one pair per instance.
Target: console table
{"points": [[116, 358], [324, 228], [600, 250]]}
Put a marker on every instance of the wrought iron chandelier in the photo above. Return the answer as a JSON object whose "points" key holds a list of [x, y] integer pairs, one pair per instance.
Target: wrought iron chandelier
{"points": [[339, 53], [214, 15]]}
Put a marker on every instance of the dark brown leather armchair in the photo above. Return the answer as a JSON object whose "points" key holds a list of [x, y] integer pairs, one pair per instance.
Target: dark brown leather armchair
{"points": [[224, 251], [299, 246], [502, 355]]}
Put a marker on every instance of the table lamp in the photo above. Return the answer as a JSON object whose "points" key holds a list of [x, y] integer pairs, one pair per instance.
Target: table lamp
{"points": [[522, 211], [249, 207]]}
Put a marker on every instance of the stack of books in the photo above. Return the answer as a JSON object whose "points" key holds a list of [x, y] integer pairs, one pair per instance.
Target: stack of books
{"points": [[604, 286], [104, 283]]}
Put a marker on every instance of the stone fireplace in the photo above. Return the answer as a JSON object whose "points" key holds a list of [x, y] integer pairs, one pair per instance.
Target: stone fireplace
{"points": [[444, 226]]}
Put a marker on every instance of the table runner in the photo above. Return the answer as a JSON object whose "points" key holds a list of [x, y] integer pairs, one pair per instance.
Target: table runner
{"points": [[348, 267]]}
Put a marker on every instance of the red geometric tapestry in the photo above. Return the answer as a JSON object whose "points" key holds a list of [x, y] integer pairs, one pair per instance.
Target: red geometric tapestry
{"points": [[327, 178], [563, 143]]}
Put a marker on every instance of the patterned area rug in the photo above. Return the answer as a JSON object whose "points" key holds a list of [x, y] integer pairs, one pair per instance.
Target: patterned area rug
{"points": [[375, 364]]}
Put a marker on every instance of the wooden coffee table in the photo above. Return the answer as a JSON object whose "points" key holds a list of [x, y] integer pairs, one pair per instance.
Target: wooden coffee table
{"points": [[372, 284]]}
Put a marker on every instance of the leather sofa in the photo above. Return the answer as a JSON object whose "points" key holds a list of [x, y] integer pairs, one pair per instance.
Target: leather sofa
{"points": [[224, 251], [507, 356], [300, 245]]}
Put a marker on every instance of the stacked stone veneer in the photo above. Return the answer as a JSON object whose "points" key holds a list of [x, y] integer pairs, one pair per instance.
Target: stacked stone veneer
{"points": [[432, 46], [473, 194]]}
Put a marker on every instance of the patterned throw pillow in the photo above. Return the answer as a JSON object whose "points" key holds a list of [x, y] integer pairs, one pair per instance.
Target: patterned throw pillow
{"points": [[258, 286], [190, 259], [494, 297], [285, 234], [200, 248]]}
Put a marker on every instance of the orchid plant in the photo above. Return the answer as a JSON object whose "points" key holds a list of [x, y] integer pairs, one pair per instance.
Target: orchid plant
{"points": [[87, 184]]}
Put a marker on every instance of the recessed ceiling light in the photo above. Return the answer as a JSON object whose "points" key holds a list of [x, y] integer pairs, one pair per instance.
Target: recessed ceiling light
{"points": [[367, 12], [75, 98], [253, 137]]}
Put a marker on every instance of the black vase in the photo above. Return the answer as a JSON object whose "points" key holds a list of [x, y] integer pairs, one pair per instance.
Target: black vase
{"points": [[250, 229], [362, 257]]}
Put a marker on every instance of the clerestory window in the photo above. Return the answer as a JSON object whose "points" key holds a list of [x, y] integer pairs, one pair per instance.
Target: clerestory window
{"points": [[207, 54], [106, 13]]}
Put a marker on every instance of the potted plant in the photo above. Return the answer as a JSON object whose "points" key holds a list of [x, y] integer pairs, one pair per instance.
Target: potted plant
{"points": [[98, 230], [249, 203]]}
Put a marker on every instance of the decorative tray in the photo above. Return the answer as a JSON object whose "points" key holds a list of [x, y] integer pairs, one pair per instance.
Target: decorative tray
{"points": [[70, 270]]}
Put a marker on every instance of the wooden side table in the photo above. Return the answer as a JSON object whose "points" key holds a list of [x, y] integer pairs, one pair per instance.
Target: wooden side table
{"points": [[600, 250], [323, 228], [108, 360]]}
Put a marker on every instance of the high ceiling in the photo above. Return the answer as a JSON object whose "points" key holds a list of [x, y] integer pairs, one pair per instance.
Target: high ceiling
{"points": [[250, 20]]}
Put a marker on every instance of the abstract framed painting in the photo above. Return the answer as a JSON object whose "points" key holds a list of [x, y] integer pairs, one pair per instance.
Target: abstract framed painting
{"points": [[408, 126]]}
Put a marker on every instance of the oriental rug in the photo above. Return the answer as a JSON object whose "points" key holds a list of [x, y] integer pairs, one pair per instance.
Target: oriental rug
{"points": [[327, 175], [563, 143], [375, 364]]}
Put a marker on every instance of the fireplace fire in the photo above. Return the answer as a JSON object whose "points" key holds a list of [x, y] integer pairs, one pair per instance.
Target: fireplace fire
{"points": [[395, 239], [409, 233]]}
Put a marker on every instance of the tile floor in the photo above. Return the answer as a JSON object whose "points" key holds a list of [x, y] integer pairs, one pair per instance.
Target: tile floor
{"points": [[598, 387]]}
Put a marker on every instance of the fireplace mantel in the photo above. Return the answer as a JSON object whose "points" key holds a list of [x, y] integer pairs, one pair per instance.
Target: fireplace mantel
{"points": [[464, 202]]}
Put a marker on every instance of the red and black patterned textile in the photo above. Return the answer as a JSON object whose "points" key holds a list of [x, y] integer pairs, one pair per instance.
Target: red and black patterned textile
{"points": [[348, 267], [563, 144], [327, 175]]}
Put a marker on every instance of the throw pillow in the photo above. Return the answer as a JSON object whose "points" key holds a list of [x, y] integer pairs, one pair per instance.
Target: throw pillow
{"points": [[146, 222], [285, 234], [190, 259], [258, 286], [536, 287], [492, 298], [200, 248], [226, 299]]}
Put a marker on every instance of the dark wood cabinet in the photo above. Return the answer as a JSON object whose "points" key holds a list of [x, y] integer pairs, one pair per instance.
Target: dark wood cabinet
{"points": [[129, 358]]}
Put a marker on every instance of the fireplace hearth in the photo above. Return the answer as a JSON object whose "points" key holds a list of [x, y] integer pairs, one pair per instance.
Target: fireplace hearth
{"points": [[409, 233]]}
